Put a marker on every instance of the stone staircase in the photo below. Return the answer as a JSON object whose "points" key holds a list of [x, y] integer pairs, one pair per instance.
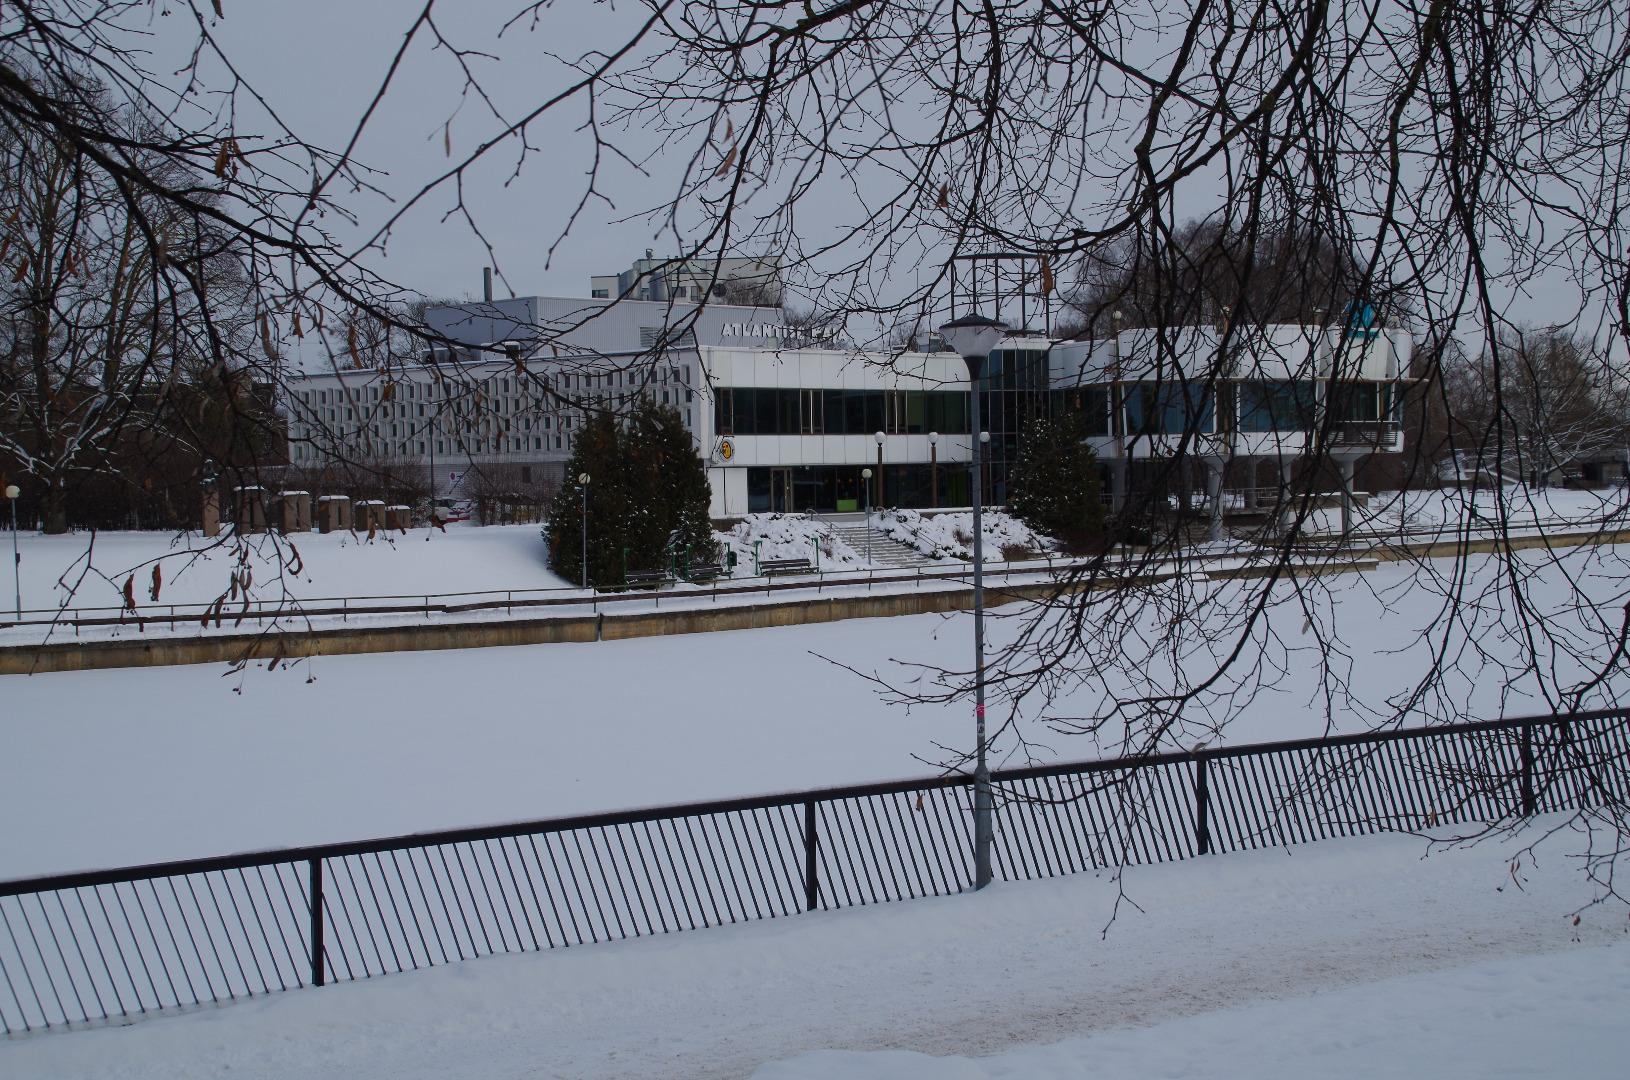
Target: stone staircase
{"points": [[886, 552]]}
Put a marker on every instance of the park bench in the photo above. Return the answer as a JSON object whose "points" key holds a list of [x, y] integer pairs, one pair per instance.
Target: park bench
{"points": [[774, 567], [645, 577], [704, 571]]}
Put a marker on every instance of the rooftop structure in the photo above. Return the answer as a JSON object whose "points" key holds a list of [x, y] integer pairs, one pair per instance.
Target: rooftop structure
{"points": [[738, 280]]}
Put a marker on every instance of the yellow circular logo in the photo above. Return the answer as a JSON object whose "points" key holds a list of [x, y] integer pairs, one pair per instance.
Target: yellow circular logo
{"points": [[727, 450]]}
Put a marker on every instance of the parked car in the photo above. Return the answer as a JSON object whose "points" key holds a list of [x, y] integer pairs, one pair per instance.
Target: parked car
{"points": [[448, 510]]}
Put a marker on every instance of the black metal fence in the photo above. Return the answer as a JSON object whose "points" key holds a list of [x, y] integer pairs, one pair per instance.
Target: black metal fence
{"points": [[87, 947]]}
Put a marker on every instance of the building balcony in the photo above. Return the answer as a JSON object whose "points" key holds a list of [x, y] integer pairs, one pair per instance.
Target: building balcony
{"points": [[1376, 433]]}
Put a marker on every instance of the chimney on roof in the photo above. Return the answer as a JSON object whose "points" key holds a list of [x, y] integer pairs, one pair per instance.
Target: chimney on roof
{"points": [[486, 284]]}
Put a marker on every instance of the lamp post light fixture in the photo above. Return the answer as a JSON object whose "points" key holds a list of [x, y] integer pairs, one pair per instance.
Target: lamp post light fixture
{"points": [[866, 483], [583, 486], [973, 337], [879, 437], [12, 491], [934, 469]]}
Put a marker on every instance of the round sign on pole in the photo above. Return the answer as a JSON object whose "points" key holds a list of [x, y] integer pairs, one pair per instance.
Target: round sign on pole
{"points": [[727, 449]]}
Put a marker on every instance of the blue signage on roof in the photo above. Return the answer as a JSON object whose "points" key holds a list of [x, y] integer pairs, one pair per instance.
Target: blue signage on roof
{"points": [[1362, 321]]}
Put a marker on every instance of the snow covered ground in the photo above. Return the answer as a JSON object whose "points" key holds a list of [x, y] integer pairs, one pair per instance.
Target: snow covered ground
{"points": [[465, 558], [789, 536], [1518, 508], [118, 767], [1349, 958], [950, 536], [946, 537], [501, 559]]}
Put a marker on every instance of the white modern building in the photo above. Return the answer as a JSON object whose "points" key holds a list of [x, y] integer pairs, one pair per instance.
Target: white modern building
{"points": [[783, 422], [1267, 394], [787, 423]]}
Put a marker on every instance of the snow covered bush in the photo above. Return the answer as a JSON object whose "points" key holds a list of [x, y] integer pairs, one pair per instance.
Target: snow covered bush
{"points": [[789, 536], [950, 536]]}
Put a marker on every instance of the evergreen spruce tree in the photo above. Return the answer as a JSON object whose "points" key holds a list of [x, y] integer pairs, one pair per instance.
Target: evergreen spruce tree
{"points": [[675, 479], [647, 484], [1055, 479], [645, 534], [598, 450]]}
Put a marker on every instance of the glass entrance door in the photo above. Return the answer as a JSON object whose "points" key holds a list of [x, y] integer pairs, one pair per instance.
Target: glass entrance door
{"points": [[781, 501]]}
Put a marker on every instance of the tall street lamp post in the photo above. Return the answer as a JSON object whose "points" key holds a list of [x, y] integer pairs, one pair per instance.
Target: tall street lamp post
{"points": [[583, 486], [12, 491], [879, 437], [934, 469], [866, 483], [973, 337]]}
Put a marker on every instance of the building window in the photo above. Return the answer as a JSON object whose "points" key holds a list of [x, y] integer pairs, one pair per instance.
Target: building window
{"points": [[599, 294], [745, 410], [1277, 406], [1090, 403], [812, 412], [1167, 408]]}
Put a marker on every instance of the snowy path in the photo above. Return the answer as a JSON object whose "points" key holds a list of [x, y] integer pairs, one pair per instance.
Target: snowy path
{"points": [[1000, 973]]}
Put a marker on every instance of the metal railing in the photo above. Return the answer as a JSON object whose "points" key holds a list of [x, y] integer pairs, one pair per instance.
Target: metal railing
{"points": [[508, 601], [1365, 432], [89, 947]]}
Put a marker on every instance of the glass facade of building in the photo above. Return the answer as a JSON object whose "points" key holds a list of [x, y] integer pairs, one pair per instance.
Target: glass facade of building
{"points": [[1013, 392], [747, 410], [838, 488]]}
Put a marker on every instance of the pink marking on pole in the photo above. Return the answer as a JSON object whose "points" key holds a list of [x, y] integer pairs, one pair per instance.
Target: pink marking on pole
{"points": [[979, 711]]}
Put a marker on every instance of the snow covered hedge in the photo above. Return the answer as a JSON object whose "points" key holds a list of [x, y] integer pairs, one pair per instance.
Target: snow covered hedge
{"points": [[789, 536], [950, 536]]}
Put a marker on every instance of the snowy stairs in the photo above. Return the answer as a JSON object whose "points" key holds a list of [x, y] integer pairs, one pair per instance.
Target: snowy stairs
{"points": [[887, 553]]}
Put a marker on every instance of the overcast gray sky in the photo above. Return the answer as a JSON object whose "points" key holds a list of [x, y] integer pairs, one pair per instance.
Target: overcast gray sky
{"points": [[319, 62]]}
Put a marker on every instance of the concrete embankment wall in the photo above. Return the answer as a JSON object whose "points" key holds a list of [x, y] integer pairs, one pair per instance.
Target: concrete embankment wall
{"points": [[138, 651], [1487, 545], [267, 645]]}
